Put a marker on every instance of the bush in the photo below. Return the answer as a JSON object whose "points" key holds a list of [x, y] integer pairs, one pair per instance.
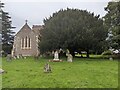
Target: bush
{"points": [[108, 52]]}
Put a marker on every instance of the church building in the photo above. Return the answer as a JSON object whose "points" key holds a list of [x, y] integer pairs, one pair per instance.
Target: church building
{"points": [[26, 41]]}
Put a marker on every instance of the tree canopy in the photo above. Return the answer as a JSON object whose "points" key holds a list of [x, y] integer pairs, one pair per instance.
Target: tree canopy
{"points": [[112, 22], [72, 29]]}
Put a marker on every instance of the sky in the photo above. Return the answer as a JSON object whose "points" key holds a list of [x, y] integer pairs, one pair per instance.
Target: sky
{"points": [[36, 10]]}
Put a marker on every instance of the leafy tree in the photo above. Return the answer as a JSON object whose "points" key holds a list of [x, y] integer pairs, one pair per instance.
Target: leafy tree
{"points": [[112, 22], [7, 33], [72, 29], [1, 5]]}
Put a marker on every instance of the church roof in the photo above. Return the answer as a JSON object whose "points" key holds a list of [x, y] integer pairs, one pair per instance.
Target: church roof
{"points": [[36, 28], [26, 26]]}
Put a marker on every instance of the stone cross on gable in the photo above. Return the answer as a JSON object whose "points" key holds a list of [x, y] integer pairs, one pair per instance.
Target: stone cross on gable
{"points": [[26, 21]]}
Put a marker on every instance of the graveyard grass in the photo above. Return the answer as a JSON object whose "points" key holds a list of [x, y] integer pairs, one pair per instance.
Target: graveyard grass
{"points": [[81, 73]]}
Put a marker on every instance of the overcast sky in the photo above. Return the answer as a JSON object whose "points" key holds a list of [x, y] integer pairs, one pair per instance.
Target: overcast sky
{"points": [[36, 10]]}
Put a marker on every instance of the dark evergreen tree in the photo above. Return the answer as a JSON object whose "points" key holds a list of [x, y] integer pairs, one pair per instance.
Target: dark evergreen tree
{"points": [[7, 32], [73, 29], [1, 5]]}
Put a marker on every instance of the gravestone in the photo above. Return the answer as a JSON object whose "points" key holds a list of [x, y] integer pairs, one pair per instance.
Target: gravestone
{"points": [[69, 57], [1, 71], [56, 56], [9, 57], [20, 56], [111, 58], [47, 68], [14, 57]]}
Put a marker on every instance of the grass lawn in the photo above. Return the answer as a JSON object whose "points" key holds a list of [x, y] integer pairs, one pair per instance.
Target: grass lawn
{"points": [[81, 73]]}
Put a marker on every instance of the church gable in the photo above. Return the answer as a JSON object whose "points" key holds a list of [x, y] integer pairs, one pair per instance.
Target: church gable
{"points": [[26, 41], [24, 30]]}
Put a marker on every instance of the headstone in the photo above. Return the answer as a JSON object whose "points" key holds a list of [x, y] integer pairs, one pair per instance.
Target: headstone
{"points": [[1, 71], [47, 68], [69, 57], [111, 58], [14, 57], [56, 56], [24, 57], [9, 58], [20, 56]]}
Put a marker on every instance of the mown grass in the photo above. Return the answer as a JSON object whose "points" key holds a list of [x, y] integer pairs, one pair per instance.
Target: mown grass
{"points": [[81, 73]]}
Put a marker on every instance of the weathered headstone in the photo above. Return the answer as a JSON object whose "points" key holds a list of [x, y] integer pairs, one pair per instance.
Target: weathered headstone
{"points": [[47, 68], [20, 56], [9, 58], [1, 71], [14, 57], [111, 58], [13, 51], [69, 58]]}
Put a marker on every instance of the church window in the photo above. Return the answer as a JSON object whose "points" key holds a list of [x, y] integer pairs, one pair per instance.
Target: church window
{"points": [[26, 42], [29, 43]]}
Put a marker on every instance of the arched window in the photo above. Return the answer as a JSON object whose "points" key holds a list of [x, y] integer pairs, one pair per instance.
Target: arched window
{"points": [[29, 43], [25, 41]]}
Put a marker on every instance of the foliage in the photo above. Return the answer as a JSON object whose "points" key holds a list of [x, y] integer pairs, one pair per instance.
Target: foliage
{"points": [[7, 33], [73, 29], [112, 22], [81, 73]]}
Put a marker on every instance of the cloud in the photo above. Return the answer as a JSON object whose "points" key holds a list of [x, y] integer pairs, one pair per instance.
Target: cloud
{"points": [[56, 0], [35, 12]]}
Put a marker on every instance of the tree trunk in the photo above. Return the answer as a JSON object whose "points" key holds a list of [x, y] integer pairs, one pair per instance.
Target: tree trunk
{"points": [[87, 55]]}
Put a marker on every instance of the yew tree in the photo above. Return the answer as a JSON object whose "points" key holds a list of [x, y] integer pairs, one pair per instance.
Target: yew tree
{"points": [[73, 29]]}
